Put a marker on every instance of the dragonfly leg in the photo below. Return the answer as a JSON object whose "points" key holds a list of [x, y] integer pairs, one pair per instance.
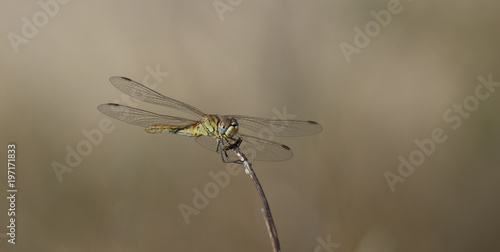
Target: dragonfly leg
{"points": [[223, 146], [227, 159], [235, 144]]}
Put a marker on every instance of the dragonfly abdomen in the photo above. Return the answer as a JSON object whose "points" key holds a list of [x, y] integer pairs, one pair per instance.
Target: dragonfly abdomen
{"points": [[188, 130]]}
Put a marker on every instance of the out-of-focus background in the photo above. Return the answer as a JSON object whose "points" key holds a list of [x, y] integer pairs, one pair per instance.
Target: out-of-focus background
{"points": [[387, 80]]}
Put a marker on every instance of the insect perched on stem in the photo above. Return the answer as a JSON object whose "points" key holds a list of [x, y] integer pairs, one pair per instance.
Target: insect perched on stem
{"points": [[215, 132]]}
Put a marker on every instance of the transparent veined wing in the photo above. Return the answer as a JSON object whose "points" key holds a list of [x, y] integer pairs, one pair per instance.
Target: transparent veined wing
{"points": [[253, 147], [279, 128], [141, 117], [143, 93]]}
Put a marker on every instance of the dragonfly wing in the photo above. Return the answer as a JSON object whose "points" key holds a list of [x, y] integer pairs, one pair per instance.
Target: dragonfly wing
{"points": [[279, 128], [261, 149], [143, 93], [207, 142], [141, 117], [253, 147]]}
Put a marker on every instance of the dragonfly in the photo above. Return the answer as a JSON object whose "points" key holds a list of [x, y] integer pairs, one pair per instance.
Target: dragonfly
{"points": [[217, 133]]}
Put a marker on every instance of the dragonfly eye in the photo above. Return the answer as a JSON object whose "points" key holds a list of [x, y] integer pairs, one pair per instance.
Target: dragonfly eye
{"points": [[228, 126], [223, 125]]}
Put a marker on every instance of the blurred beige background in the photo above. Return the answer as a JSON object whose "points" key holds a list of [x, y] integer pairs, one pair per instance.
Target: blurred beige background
{"points": [[255, 57]]}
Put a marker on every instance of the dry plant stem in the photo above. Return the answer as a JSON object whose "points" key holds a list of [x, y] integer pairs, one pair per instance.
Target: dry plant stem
{"points": [[268, 217]]}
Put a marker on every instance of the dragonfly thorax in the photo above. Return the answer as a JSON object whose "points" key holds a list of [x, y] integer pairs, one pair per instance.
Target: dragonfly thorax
{"points": [[227, 126]]}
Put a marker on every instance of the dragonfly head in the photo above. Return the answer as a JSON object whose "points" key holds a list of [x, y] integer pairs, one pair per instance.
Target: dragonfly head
{"points": [[228, 126]]}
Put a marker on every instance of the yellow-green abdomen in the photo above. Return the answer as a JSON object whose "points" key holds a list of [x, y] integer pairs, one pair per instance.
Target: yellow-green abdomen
{"points": [[188, 130], [205, 127]]}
